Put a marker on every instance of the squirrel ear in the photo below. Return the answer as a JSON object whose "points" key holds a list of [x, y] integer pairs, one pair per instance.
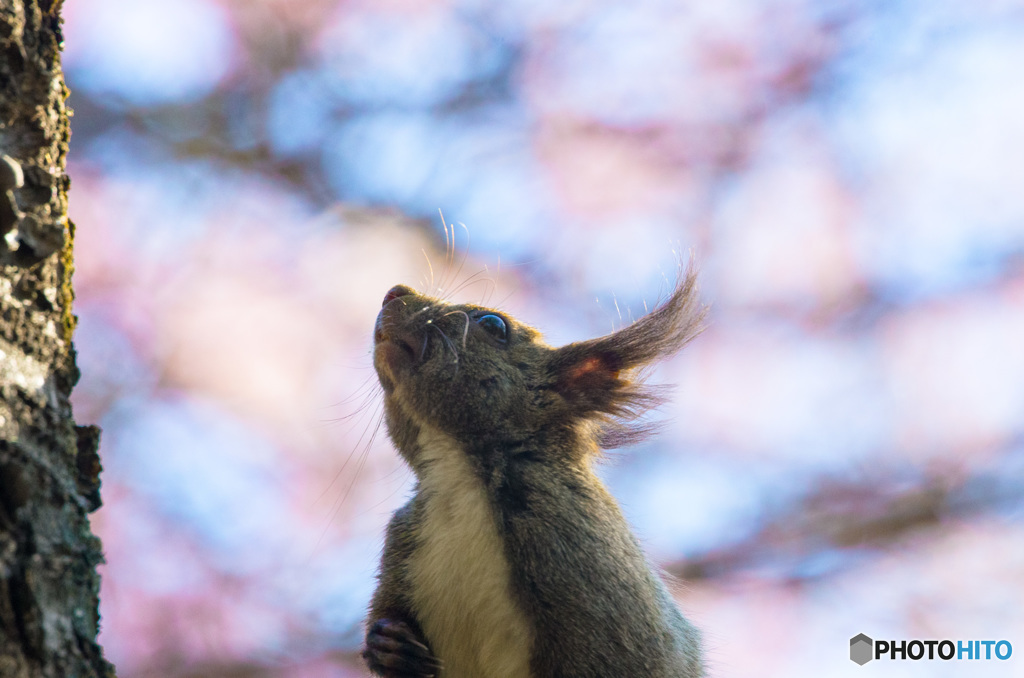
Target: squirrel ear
{"points": [[586, 378], [589, 374]]}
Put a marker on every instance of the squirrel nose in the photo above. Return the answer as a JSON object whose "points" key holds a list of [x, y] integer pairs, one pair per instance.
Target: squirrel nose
{"points": [[397, 291]]}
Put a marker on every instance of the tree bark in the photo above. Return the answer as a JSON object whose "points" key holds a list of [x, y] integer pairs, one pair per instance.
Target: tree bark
{"points": [[48, 467]]}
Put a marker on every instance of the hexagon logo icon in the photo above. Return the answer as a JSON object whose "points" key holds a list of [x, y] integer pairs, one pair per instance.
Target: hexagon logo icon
{"points": [[861, 649]]}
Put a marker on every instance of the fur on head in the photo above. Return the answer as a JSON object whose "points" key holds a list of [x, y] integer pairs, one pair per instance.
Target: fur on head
{"points": [[483, 377]]}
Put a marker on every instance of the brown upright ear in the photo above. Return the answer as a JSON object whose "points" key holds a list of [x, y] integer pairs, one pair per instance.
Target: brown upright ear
{"points": [[586, 378], [598, 376]]}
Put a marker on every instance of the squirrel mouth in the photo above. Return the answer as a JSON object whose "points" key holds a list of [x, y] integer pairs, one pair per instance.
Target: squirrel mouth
{"points": [[384, 332], [396, 351], [381, 340], [400, 345]]}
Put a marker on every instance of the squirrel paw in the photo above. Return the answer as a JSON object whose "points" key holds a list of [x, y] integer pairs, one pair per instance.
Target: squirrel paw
{"points": [[395, 650]]}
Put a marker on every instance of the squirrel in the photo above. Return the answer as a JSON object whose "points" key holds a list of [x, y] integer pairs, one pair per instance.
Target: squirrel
{"points": [[511, 559]]}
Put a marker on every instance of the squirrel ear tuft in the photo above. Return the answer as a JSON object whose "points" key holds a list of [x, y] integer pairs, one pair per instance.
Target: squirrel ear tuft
{"points": [[588, 374]]}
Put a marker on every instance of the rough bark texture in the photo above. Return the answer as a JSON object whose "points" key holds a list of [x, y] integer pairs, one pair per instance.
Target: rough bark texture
{"points": [[48, 466]]}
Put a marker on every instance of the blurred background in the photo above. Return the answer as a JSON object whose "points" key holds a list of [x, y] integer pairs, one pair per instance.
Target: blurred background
{"points": [[843, 451]]}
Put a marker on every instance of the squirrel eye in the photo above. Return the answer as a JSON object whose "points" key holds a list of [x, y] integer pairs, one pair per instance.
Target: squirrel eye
{"points": [[494, 325]]}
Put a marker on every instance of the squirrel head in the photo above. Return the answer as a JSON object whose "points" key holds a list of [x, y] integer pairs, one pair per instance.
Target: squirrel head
{"points": [[490, 381]]}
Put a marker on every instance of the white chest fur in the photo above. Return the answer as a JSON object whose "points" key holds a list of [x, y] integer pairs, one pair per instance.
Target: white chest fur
{"points": [[460, 575]]}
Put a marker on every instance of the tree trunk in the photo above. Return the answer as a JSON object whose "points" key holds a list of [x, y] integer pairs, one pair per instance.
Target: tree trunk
{"points": [[48, 467]]}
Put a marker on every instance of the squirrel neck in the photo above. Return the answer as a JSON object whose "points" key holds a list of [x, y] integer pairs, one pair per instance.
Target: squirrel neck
{"points": [[461, 577]]}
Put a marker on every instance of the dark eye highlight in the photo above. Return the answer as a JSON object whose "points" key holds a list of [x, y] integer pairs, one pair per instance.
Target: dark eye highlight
{"points": [[494, 326]]}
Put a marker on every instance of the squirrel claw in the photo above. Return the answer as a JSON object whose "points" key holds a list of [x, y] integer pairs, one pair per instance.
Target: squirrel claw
{"points": [[395, 650]]}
